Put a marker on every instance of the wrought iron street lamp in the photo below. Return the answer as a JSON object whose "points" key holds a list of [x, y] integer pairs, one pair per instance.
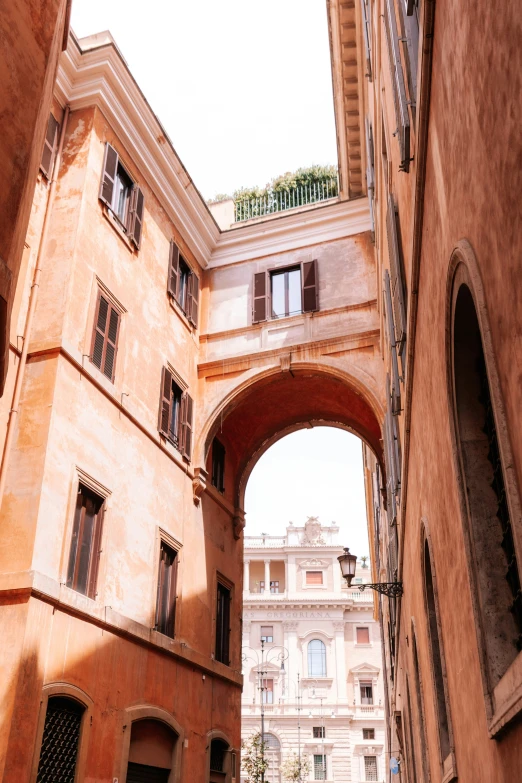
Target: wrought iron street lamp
{"points": [[348, 563]]}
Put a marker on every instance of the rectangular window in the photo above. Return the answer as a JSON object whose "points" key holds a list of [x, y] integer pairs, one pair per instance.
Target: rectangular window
{"points": [[176, 414], [369, 734], [105, 336], [122, 196], [363, 635], [262, 586], [84, 556], [314, 577], [218, 465], [274, 586], [366, 693], [319, 732], [399, 90], [284, 292], [268, 691], [183, 284], [166, 597], [50, 146], [223, 624], [370, 768], [267, 633], [319, 767]]}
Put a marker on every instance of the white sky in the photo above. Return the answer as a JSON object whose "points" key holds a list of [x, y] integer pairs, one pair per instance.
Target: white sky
{"points": [[243, 88], [317, 472]]}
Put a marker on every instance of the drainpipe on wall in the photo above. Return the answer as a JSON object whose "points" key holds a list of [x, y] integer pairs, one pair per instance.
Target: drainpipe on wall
{"points": [[13, 413]]}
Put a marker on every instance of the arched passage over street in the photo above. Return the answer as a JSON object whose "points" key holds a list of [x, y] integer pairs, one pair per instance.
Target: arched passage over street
{"points": [[272, 406]]}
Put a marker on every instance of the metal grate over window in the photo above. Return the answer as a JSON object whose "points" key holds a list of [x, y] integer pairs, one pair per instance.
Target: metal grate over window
{"points": [[60, 741], [370, 767], [319, 767]]}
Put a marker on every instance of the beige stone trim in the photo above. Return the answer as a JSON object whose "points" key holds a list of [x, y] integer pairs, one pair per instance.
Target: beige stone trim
{"points": [[72, 692], [151, 712]]}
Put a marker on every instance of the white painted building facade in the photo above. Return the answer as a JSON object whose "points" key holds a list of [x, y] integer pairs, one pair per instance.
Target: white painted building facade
{"points": [[320, 671]]}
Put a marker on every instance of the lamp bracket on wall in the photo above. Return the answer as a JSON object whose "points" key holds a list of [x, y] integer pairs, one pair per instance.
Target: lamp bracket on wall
{"points": [[391, 589]]}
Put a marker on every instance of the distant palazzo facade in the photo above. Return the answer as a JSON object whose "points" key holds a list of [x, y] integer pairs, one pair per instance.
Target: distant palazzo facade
{"points": [[326, 700]]}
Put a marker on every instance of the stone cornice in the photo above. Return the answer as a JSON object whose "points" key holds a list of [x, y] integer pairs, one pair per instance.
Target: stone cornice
{"points": [[290, 231], [92, 72]]}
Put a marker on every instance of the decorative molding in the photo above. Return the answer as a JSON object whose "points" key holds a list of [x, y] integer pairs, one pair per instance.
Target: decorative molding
{"points": [[199, 484], [292, 231], [313, 562], [92, 72], [285, 360], [312, 535]]}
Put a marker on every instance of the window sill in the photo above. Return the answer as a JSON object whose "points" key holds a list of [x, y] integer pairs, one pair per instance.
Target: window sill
{"points": [[181, 314], [506, 698], [116, 225]]}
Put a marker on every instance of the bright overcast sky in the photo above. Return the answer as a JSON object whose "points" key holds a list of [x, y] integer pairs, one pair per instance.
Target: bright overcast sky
{"points": [[316, 472], [243, 88]]}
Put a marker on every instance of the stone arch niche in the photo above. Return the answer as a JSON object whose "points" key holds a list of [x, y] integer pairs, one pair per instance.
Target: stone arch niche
{"points": [[274, 403]]}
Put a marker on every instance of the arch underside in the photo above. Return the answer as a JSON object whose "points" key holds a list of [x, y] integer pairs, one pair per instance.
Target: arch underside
{"points": [[278, 404]]}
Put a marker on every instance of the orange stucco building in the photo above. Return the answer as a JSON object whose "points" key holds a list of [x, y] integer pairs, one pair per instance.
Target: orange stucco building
{"points": [[157, 365]]}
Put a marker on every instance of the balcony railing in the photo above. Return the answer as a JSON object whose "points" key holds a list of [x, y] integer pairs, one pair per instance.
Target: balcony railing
{"points": [[278, 201], [266, 541]]}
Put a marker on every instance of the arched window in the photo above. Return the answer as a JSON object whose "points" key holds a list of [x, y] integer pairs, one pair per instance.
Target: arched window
{"points": [[316, 658], [436, 658], [60, 741], [151, 752], [487, 515], [273, 757]]}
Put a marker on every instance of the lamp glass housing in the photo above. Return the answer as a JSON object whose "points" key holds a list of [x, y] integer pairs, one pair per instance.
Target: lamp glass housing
{"points": [[348, 565]]}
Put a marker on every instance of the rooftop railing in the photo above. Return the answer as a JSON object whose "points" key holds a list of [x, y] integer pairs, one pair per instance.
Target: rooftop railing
{"points": [[278, 201]]}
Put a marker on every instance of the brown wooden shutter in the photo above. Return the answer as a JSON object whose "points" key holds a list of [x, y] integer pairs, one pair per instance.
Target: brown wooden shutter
{"points": [[173, 279], [366, 34], [395, 389], [399, 91], [49, 149], [260, 297], [95, 553], [135, 221], [187, 412], [165, 408], [314, 577], [397, 287], [111, 343], [100, 327], [193, 300], [309, 286], [110, 167]]}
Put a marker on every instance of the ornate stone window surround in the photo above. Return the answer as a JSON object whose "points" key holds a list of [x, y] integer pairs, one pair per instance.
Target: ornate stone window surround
{"points": [[303, 640], [365, 673], [314, 564], [362, 625]]}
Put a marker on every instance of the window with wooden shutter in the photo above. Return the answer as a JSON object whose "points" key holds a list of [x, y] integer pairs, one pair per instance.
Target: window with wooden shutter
{"points": [[314, 577], [224, 596], [173, 279], [84, 554], [370, 168], [396, 277], [105, 336], [398, 88], [366, 689], [187, 412], [267, 633], [409, 16], [367, 38], [110, 167], [135, 222], [218, 465], [172, 410], [395, 389], [166, 595], [310, 285], [260, 297], [193, 299], [363, 635], [50, 145]]}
